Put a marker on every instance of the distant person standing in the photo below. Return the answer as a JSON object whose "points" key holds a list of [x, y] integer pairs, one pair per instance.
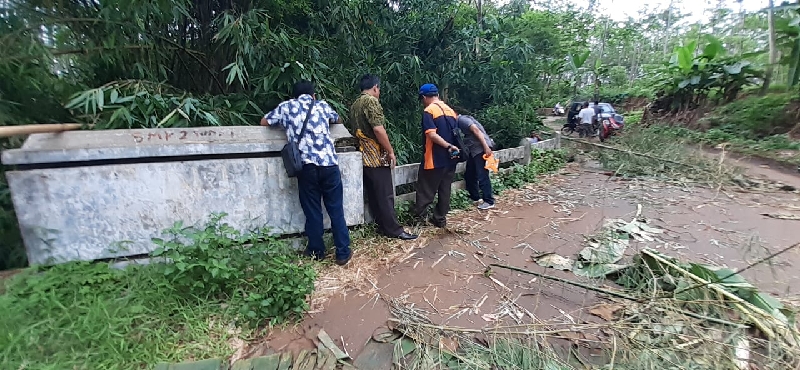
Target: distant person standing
{"points": [[476, 177], [438, 167], [367, 119], [587, 117], [597, 111], [320, 180]]}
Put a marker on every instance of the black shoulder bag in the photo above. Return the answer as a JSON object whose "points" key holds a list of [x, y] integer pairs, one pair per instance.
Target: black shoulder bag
{"points": [[463, 154], [291, 151]]}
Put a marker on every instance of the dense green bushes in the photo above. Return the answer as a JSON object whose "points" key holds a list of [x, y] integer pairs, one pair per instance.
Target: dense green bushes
{"points": [[86, 315], [756, 117]]}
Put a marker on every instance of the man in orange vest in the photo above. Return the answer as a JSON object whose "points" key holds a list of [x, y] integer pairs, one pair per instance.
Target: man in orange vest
{"points": [[438, 167]]}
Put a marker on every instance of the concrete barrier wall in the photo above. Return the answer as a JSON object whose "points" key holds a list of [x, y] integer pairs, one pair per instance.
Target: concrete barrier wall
{"points": [[138, 183], [88, 195]]}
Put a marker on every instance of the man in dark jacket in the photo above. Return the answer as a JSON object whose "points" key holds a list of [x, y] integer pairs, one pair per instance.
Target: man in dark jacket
{"points": [[476, 177], [438, 167]]}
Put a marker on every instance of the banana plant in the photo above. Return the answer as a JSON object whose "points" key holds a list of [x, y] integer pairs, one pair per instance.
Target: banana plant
{"points": [[576, 62], [787, 29], [690, 75]]}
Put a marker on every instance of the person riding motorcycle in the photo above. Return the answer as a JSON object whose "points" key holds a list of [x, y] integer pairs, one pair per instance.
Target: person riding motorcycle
{"points": [[558, 110]]}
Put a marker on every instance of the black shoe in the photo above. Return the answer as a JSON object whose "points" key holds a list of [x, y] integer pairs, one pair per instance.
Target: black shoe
{"points": [[343, 262], [406, 236], [440, 225]]}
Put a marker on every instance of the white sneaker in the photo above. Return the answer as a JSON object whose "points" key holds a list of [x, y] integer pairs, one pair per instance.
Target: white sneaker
{"points": [[477, 202], [484, 206]]}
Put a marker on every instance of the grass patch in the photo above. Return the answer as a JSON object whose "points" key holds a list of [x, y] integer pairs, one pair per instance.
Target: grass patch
{"points": [[84, 315], [755, 117], [777, 147]]}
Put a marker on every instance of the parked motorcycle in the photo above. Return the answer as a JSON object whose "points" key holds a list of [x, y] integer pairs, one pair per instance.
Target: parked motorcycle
{"points": [[610, 126]]}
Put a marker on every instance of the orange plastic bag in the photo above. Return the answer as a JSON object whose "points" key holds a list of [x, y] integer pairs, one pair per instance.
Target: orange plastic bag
{"points": [[491, 163]]}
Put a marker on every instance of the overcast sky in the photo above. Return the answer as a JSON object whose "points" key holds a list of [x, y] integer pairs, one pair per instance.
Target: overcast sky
{"points": [[621, 9]]}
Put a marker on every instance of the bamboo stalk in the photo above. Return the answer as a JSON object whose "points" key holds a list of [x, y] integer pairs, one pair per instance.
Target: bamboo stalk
{"points": [[630, 152], [745, 307], [7, 131], [565, 281]]}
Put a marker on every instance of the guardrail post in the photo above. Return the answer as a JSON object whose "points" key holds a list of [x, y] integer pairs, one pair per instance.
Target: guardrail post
{"points": [[526, 159]]}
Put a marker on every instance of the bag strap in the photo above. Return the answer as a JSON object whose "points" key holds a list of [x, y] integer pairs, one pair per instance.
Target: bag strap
{"points": [[305, 122], [446, 118]]}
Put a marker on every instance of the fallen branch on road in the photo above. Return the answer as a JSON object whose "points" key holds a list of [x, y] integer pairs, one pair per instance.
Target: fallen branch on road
{"points": [[565, 281], [629, 152]]}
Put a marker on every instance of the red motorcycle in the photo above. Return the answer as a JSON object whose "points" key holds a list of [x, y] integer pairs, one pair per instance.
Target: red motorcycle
{"points": [[609, 126]]}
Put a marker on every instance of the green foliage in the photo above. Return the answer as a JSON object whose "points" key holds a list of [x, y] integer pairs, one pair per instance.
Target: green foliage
{"points": [[459, 199], [753, 125], [88, 315], [139, 103], [12, 254], [132, 64], [765, 147], [756, 116], [677, 163], [690, 78], [507, 124], [254, 269], [633, 118]]}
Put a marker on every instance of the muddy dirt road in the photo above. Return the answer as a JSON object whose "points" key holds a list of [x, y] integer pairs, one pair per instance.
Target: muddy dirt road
{"points": [[444, 274]]}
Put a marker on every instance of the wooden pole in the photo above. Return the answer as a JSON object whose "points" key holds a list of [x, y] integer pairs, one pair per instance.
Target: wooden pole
{"points": [[6, 131]]}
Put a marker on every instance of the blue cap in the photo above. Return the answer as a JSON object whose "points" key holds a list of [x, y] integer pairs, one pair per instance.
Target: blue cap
{"points": [[428, 90]]}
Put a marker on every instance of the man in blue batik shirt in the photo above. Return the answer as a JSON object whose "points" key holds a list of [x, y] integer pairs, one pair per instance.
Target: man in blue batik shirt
{"points": [[320, 179]]}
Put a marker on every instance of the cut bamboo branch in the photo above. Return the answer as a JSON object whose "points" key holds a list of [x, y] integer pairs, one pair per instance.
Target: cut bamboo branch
{"points": [[631, 152], [565, 281], [743, 306], [706, 318]]}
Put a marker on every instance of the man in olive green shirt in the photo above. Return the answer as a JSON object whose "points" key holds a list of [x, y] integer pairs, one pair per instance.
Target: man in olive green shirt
{"points": [[366, 118]]}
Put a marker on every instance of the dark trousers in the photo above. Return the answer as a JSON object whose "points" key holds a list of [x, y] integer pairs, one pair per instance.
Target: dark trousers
{"points": [[476, 179], [323, 184], [429, 184], [379, 187]]}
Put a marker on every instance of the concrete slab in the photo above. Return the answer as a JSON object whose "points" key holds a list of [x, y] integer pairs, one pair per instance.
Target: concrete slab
{"points": [[87, 213], [89, 145]]}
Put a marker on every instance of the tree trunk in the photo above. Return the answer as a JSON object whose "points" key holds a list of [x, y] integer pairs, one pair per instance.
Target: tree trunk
{"points": [[743, 16], [773, 52], [600, 58], [666, 28], [478, 36]]}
